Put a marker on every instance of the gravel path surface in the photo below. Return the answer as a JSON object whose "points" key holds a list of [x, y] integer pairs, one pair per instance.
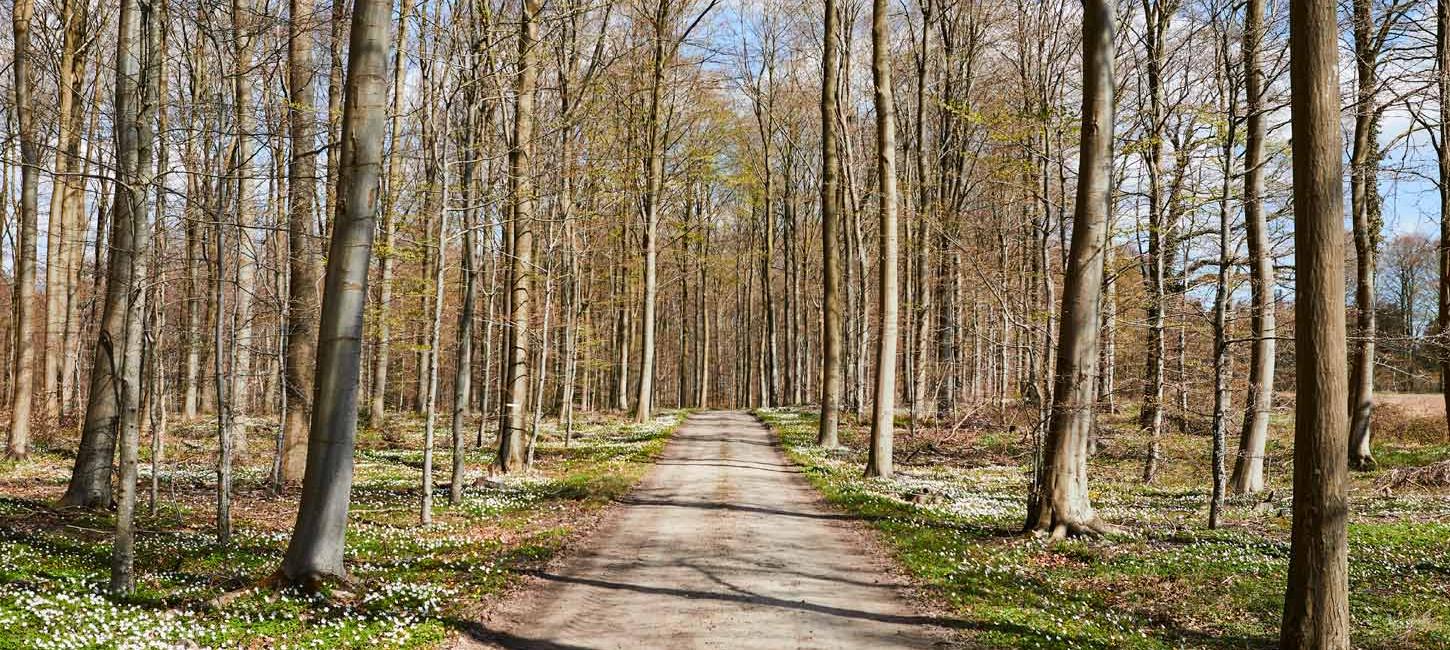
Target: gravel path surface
{"points": [[723, 545]]}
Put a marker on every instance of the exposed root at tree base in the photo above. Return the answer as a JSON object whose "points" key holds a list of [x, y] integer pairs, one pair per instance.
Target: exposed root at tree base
{"points": [[1059, 530]]}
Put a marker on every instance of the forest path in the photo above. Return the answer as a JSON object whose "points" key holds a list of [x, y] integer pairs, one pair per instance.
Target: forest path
{"points": [[723, 545]]}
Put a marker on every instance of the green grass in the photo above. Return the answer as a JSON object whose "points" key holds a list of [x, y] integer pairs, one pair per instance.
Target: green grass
{"points": [[1169, 582], [409, 584]]}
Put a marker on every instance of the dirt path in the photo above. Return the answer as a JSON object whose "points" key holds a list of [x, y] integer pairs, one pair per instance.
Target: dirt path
{"points": [[724, 545]]}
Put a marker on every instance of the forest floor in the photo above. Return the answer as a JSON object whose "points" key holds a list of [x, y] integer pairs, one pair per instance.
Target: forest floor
{"points": [[953, 516], [723, 545], [411, 586]]}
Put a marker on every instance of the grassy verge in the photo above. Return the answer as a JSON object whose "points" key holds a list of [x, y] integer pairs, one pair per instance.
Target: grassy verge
{"points": [[408, 581], [953, 520]]}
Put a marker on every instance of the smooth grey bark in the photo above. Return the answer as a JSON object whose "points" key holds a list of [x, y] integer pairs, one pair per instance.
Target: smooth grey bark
{"points": [[111, 377], [244, 27], [315, 551], [521, 272], [883, 405], [1222, 373], [463, 364], [1316, 603], [828, 435], [435, 336], [1248, 474], [1059, 503], [135, 108], [653, 186]]}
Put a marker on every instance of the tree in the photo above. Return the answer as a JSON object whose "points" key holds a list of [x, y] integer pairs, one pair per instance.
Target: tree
{"points": [[1059, 502], [377, 412], [315, 551], [1248, 474], [1161, 245], [23, 379], [302, 258], [830, 239], [1367, 222], [878, 460], [1316, 605], [521, 246], [119, 346], [62, 239], [1442, 69]]}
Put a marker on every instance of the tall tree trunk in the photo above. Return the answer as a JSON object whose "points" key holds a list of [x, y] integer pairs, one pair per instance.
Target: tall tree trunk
{"points": [[23, 377], [883, 406], [1160, 241], [113, 392], [1222, 374], [1059, 501], [654, 180], [62, 235], [119, 347], [435, 334], [1248, 475], [1316, 604], [244, 14], [315, 551], [517, 372], [828, 436], [383, 335], [1365, 203], [463, 364], [1442, 68], [302, 255]]}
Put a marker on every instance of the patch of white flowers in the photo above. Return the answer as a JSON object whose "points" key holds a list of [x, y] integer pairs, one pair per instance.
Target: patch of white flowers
{"points": [[86, 619]]}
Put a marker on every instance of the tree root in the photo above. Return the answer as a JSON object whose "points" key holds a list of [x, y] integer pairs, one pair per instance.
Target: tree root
{"points": [[1060, 529]]}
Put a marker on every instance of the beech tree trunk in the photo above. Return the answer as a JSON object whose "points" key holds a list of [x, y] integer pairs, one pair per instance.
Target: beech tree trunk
{"points": [[1316, 604], [1442, 67], [883, 406], [653, 182], [315, 551], [23, 376], [1160, 243], [1248, 475], [521, 271], [1365, 205], [64, 235], [377, 406], [119, 347], [1059, 503], [302, 256], [828, 436]]}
